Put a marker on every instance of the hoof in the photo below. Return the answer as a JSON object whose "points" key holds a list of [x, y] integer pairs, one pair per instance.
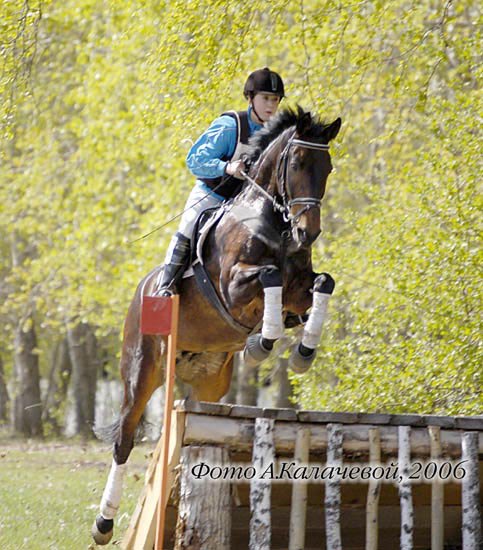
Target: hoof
{"points": [[255, 352], [301, 363], [102, 530]]}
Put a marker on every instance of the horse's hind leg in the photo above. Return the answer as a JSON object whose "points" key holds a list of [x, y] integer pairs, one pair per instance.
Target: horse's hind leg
{"points": [[142, 374]]}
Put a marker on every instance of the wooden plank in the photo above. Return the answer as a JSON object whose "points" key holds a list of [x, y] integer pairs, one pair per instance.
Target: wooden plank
{"points": [[204, 510], [299, 494], [141, 532], [373, 492], [327, 417], [405, 493], [437, 493], [263, 457], [205, 407], [471, 492], [246, 411], [469, 423], [165, 437], [332, 490], [407, 420], [448, 422], [374, 418], [280, 414], [239, 433]]}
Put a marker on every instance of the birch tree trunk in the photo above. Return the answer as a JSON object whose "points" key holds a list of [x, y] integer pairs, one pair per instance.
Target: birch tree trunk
{"points": [[405, 492], [471, 493], [260, 489], [332, 488]]}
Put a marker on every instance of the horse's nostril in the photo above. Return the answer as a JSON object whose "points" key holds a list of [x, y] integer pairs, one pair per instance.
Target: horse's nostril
{"points": [[307, 238], [303, 236]]}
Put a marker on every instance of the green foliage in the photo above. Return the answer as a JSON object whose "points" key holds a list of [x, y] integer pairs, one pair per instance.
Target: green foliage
{"points": [[97, 101]]}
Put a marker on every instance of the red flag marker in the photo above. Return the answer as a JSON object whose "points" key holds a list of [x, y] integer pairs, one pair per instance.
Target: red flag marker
{"points": [[156, 315]]}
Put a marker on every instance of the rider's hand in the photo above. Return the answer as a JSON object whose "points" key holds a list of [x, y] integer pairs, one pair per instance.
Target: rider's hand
{"points": [[235, 168]]}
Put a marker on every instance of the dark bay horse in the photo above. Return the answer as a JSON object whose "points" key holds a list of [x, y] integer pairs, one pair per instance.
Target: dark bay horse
{"points": [[258, 258]]}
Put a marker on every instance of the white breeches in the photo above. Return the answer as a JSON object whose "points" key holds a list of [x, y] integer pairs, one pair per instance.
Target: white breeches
{"points": [[198, 201]]}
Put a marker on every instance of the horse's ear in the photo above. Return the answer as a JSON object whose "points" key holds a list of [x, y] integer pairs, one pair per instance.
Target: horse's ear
{"points": [[333, 129], [304, 122]]}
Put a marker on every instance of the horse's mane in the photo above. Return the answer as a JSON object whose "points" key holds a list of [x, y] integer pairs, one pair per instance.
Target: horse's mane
{"points": [[279, 123]]}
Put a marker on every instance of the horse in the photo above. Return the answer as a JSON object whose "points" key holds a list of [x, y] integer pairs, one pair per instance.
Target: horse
{"points": [[256, 257]]}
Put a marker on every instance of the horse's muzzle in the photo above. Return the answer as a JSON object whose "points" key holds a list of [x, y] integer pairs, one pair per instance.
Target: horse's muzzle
{"points": [[303, 238]]}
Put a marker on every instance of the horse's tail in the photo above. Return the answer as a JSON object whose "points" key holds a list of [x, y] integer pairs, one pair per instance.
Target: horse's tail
{"points": [[110, 433]]}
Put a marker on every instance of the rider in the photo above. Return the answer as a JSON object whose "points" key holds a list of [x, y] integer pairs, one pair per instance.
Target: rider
{"points": [[215, 161]]}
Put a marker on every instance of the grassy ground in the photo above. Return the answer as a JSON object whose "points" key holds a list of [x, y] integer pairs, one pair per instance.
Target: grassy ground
{"points": [[50, 493]]}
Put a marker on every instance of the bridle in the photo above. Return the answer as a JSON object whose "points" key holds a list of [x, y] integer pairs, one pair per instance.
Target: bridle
{"points": [[282, 173]]}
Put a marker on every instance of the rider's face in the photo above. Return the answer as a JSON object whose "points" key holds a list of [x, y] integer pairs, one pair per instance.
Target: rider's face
{"points": [[265, 105]]}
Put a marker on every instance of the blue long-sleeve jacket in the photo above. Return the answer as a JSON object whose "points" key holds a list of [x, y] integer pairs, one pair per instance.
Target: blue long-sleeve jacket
{"points": [[204, 159]]}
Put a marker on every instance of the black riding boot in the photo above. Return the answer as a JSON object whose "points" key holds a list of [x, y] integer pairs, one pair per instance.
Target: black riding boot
{"points": [[177, 259]]}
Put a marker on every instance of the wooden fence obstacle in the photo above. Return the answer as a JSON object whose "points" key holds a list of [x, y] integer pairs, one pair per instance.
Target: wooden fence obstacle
{"points": [[437, 492], [405, 491], [373, 492], [298, 508], [332, 488], [471, 494], [315, 438]]}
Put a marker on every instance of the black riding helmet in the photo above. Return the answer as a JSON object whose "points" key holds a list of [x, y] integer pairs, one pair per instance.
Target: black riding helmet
{"points": [[264, 80]]}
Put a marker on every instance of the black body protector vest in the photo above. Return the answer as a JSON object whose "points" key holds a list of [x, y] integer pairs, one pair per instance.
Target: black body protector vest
{"points": [[229, 186]]}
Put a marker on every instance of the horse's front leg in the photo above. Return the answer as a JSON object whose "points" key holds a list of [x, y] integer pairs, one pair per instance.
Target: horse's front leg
{"points": [[259, 346], [304, 353]]}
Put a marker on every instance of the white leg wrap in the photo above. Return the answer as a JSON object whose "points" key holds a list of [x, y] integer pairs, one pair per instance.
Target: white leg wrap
{"points": [[272, 327], [313, 327], [113, 491]]}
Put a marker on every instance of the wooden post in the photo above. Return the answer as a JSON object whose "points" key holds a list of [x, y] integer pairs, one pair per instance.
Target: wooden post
{"points": [[260, 489], [204, 511], [373, 491], [332, 488], [471, 492], [168, 407], [405, 493], [298, 510], [437, 492], [141, 532]]}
